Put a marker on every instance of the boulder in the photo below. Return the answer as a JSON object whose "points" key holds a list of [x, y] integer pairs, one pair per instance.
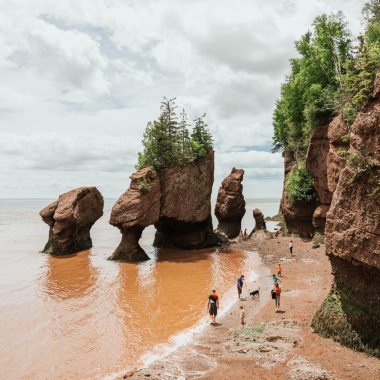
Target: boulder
{"points": [[230, 204], [185, 215], [136, 209], [70, 219]]}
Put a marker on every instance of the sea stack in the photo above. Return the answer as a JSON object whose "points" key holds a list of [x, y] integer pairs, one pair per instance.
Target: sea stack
{"points": [[70, 219], [136, 209], [230, 204], [185, 215]]}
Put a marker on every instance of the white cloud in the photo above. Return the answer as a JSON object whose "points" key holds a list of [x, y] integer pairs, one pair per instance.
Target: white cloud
{"points": [[80, 79]]}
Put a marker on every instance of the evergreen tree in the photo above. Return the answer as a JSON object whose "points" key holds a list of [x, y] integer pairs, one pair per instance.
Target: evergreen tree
{"points": [[184, 138], [167, 143], [201, 139]]}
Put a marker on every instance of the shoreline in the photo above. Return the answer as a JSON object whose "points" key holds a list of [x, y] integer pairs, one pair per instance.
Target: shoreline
{"points": [[271, 345]]}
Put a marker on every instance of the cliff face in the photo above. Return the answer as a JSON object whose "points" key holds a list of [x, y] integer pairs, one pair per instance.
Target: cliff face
{"points": [[298, 217], [230, 205], [136, 209], [325, 160], [185, 215], [353, 240], [70, 219]]}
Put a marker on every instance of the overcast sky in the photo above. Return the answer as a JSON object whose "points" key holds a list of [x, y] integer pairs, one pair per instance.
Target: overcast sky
{"points": [[81, 78]]}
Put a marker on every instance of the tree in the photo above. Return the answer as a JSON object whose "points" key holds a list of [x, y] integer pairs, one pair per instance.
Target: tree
{"points": [[201, 138], [167, 143]]}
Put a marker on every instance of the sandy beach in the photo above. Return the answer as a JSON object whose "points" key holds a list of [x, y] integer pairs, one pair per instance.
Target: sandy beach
{"points": [[271, 345]]}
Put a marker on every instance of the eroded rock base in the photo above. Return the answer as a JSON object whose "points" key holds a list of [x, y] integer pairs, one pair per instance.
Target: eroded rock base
{"points": [[347, 317], [129, 249], [54, 247], [196, 236]]}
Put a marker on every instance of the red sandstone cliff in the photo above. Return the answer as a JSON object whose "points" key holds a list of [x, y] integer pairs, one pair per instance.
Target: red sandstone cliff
{"points": [[70, 219], [353, 239], [297, 217], [230, 204]]}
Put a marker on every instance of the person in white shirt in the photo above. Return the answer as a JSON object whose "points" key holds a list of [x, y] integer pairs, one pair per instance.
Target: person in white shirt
{"points": [[291, 247]]}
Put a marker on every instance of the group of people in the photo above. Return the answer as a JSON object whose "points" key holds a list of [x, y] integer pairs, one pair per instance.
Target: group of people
{"points": [[243, 235], [213, 299]]}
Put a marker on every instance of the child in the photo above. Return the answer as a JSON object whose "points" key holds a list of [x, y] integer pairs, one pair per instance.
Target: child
{"points": [[279, 270], [242, 315]]}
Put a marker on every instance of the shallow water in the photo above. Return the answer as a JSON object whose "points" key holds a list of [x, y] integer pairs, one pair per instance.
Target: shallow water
{"points": [[83, 317]]}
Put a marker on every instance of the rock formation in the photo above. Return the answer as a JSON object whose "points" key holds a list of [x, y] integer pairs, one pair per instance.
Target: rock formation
{"points": [[176, 200], [324, 161], [70, 219], [230, 205], [185, 215], [136, 209], [351, 313], [259, 220], [298, 217]]}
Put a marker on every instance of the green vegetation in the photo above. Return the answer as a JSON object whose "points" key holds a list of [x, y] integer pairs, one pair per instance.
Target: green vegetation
{"points": [[331, 75], [299, 185], [143, 185], [362, 164], [344, 319], [167, 142]]}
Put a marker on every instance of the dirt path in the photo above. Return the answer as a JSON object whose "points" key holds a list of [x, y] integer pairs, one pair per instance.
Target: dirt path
{"points": [[272, 345]]}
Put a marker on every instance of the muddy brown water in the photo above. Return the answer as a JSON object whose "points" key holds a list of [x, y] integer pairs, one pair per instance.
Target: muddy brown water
{"points": [[83, 317]]}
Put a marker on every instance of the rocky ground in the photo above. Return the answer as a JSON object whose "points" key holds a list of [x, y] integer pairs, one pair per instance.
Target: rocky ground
{"points": [[273, 345]]}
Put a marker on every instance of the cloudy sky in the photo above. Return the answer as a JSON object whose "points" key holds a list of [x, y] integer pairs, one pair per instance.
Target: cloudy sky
{"points": [[81, 78]]}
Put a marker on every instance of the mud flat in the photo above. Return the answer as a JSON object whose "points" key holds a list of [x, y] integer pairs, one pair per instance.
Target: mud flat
{"points": [[271, 345]]}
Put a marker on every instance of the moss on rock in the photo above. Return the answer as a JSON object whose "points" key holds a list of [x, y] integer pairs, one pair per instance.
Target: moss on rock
{"points": [[343, 318]]}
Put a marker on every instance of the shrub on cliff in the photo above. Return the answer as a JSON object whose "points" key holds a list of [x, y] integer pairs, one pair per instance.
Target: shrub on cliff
{"points": [[299, 185], [167, 142]]}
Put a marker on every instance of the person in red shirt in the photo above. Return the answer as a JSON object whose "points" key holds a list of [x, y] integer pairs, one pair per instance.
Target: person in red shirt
{"points": [[213, 305], [277, 291]]}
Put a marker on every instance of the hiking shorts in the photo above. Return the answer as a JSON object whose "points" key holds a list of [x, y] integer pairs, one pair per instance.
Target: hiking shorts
{"points": [[213, 309], [239, 290]]}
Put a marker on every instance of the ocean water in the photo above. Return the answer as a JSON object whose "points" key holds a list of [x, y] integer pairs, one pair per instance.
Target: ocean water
{"points": [[83, 317]]}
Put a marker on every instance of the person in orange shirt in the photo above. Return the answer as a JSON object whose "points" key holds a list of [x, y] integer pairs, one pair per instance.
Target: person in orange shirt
{"points": [[279, 269], [213, 305], [277, 291]]}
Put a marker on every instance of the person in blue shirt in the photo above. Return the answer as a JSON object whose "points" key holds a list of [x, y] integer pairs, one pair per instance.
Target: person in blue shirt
{"points": [[275, 279], [240, 283]]}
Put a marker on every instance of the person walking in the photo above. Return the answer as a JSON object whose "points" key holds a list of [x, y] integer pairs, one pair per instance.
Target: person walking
{"points": [[245, 234], [277, 291], [240, 283], [213, 305], [291, 247], [275, 279], [279, 269]]}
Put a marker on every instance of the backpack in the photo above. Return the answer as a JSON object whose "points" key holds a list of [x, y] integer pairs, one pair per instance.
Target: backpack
{"points": [[273, 295]]}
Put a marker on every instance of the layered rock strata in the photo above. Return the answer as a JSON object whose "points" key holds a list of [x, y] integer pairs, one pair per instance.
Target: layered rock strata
{"points": [[136, 209], [70, 219], [325, 159], [298, 217], [230, 204], [185, 214], [351, 313]]}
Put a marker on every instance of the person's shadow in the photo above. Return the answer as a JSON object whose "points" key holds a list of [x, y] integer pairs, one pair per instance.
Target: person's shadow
{"points": [[217, 324]]}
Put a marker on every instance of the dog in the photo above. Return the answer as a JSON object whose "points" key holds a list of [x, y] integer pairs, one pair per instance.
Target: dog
{"points": [[255, 293]]}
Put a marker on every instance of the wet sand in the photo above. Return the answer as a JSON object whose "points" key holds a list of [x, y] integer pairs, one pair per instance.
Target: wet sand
{"points": [[271, 345]]}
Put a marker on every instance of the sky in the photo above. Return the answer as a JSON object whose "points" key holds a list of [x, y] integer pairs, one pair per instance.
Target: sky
{"points": [[80, 79]]}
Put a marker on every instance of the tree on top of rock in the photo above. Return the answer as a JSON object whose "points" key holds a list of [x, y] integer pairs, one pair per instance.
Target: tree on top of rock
{"points": [[167, 142], [201, 138]]}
